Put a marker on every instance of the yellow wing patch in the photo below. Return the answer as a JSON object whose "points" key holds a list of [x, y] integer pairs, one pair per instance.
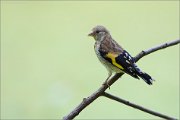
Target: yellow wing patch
{"points": [[113, 58]]}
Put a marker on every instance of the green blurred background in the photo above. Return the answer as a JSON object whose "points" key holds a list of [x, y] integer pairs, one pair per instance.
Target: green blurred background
{"points": [[48, 64]]}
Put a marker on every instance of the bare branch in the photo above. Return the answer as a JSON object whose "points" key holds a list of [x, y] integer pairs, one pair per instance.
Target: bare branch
{"points": [[91, 98], [100, 91], [153, 49], [110, 96]]}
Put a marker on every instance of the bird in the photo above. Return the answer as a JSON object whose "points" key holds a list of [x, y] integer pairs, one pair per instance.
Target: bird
{"points": [[115, 58]]}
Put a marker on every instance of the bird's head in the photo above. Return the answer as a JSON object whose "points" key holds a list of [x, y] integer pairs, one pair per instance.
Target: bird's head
{"points": [[98, 32]]}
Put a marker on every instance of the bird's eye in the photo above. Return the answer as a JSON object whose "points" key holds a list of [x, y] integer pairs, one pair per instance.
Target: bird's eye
{"points": [[97, 31]]}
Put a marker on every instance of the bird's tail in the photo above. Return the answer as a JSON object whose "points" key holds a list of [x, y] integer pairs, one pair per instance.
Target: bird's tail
{"points": [[147, 78]]}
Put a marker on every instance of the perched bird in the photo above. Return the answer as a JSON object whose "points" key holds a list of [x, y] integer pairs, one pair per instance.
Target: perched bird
{"points": [[114, 57]]}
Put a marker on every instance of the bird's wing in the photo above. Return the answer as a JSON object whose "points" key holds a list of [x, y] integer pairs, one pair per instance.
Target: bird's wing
{"points": [[123, 61]]}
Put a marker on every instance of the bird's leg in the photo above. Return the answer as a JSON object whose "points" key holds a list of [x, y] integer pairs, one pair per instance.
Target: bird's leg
{"points": [[106, 82]]}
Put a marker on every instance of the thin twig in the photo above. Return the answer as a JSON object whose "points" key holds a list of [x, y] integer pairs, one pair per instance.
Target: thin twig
{"points": [[100, 91], [153, 49], [110, 96]]}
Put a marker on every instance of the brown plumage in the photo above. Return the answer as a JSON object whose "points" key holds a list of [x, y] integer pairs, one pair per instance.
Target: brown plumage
{"points": [[112, 46], [114, 57]]}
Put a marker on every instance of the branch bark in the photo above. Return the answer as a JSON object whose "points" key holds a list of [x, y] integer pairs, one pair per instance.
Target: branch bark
{"points": [[110, 96], [101, 90], [153, 49]]}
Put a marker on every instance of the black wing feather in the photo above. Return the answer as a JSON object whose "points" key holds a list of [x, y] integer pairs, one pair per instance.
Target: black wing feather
{"points": [[128, 63]]}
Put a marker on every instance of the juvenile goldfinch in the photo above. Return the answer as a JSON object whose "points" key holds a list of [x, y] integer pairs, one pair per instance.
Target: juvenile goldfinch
{"points": [[114, 57]]}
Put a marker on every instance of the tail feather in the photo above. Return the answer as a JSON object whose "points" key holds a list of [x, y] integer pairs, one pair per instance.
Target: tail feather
{"points": [[147, 78]]}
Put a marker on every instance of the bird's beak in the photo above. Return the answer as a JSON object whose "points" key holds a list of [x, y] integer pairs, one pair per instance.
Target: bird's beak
{"points": [[91, 34]]}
